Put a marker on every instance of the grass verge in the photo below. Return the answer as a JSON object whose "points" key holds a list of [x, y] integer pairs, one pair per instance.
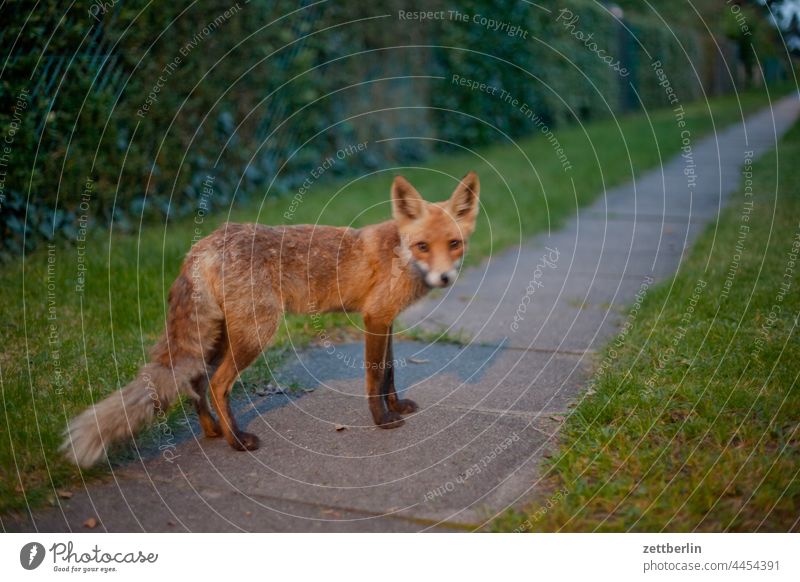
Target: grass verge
{"points": [[65, 345], [696, 424]]}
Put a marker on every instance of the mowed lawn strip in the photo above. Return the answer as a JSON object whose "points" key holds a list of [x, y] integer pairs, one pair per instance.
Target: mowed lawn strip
{"points": [[695, 425], [64, 348]]}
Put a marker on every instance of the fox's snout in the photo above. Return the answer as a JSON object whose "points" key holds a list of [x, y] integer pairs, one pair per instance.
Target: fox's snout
{"points": [[439, 279]]}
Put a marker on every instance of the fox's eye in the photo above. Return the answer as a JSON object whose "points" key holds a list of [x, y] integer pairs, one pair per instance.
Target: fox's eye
{"points": [[422, 246], [455, 244]]}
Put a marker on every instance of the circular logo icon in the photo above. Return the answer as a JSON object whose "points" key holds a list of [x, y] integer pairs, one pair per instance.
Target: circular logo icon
{"points": [[31, 555]]}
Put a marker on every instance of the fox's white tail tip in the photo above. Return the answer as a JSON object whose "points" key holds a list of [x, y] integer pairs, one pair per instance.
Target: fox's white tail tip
{"points": [[83, 445]]}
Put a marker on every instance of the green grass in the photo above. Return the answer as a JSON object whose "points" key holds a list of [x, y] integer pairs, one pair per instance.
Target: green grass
{"points": [[706, 438], [102, 335]]}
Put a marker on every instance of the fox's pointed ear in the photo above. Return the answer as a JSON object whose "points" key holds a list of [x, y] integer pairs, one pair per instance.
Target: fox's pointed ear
{"points": [[464, 201], [407, 204]]}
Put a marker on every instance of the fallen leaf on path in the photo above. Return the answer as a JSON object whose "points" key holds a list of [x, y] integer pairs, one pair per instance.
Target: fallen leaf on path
{"points": [[339, 427], [91, 523], [64, 494]]}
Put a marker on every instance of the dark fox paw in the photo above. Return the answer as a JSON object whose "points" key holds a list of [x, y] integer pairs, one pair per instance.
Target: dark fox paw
{"points": [[404, 406], [390, 420], [245, 441]]}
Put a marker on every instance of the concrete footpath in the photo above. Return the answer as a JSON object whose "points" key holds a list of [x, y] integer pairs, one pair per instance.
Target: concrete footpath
{"points": [[536, 315]]}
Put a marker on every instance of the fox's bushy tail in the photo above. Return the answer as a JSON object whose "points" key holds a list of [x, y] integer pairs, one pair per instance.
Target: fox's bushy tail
{"points": [[194, 321], [123, 413]]}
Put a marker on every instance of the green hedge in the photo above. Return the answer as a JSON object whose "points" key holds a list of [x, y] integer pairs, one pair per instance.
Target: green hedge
{"points": [[553, 71], [132, 107]]}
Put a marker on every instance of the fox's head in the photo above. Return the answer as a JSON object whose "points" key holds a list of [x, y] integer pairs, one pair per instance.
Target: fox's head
{"points": [[434, 234]]}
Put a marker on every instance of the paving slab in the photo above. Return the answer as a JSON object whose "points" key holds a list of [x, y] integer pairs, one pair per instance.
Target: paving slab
{"points": [[365, 469], [135, 503], [473, 378]]}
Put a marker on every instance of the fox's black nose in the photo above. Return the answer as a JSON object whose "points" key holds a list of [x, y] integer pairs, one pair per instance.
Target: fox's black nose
{"points": [[445, 279]]}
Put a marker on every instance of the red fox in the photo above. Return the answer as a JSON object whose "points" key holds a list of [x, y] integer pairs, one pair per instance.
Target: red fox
{"points": [[235, 285]]}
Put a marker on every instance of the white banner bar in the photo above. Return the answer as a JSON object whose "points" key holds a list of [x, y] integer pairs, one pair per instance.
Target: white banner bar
{"points": [[390, 557]]}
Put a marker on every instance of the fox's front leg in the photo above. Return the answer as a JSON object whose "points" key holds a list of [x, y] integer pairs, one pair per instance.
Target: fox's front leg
{"points": [[401, 406], [377, 342]]}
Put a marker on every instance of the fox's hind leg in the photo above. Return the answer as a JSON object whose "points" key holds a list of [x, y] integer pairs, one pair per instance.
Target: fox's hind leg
{"points": [[246, 340], [221, 384], [393, 403], [208, 423]]}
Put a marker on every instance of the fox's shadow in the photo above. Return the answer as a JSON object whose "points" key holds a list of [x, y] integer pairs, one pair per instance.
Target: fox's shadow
{"points": [[414, 362], [305, 371]]}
